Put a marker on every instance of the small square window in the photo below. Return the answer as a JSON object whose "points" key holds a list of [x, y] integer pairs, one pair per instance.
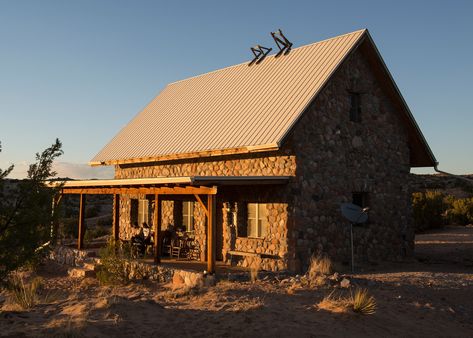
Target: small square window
{"points": [[257, 221], [355, 107]]}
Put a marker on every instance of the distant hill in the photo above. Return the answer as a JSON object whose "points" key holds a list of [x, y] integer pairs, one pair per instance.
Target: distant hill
{"points": [[448, 184]]}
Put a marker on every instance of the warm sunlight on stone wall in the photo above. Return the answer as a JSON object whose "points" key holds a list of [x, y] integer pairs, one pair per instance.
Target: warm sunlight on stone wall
{"points": [[330, 158]]}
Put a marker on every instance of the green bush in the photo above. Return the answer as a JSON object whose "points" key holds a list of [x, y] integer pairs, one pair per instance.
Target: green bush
{"points": [[115, 259], [428, 209], [460, 211]]}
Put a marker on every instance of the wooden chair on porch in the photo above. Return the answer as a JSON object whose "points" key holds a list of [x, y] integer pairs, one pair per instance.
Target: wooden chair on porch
{"points": [[177, 247]]}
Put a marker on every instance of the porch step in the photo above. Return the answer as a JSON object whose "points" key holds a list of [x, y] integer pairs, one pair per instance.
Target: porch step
{"points": [[80, 273]]}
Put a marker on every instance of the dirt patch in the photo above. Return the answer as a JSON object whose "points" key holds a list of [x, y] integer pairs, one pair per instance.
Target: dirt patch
{"points": [[426, 298]]}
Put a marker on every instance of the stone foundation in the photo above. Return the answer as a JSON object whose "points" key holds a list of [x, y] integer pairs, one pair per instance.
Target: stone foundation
{"points": [[68, 256]]}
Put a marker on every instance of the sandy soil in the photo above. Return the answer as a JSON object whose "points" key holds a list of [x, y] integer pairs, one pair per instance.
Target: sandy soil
{"points": [[431, 296]]}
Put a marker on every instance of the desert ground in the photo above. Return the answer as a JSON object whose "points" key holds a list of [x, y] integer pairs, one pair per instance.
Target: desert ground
{"points": [[430, 295]]}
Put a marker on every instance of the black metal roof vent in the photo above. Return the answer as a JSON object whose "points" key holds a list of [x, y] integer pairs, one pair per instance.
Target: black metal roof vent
{"points": [[260, 53], [282, 42]]}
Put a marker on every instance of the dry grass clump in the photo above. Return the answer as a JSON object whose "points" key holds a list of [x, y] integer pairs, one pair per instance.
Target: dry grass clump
{"points": [[363, 302], [335, 303], [320, 265], [254, 270], [24, 294]]}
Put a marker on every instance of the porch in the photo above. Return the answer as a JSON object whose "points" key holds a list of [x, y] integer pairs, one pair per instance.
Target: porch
{"points": [[202, 189]]}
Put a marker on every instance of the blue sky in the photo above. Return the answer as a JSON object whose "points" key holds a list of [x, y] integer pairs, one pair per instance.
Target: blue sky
{"points": [[80, 70]]}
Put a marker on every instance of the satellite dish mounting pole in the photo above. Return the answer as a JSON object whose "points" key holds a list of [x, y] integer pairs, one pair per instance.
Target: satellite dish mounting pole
{"points": [[352, 250], [356, 215]]}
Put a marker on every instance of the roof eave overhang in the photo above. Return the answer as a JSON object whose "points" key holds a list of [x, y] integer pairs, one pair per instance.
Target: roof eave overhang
{"points": [[181, 185], [182, 156]]}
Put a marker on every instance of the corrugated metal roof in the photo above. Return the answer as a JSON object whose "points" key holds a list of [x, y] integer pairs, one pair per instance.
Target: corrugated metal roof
{"points": [[232, 108]]}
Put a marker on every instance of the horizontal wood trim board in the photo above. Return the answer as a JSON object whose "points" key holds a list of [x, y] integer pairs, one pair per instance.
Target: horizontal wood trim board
{"points": [[161, 191]]}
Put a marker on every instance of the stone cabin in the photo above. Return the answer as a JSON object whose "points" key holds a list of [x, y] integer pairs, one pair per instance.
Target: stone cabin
{"points": [[283, 142]]}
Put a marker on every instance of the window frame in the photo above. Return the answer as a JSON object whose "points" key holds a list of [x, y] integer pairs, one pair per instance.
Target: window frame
{"points": [[143, 211], [355, 107], [188, 216], [261, 228]]}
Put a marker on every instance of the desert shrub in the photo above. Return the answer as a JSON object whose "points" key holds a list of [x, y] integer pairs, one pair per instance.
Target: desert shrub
{"points": [[24, 294], [26, 214], [115, 262], [428, 209], [363, 302], [460, 211]]}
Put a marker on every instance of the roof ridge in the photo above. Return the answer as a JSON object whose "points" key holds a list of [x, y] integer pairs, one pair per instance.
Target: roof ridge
{"points": [[269, 56]]}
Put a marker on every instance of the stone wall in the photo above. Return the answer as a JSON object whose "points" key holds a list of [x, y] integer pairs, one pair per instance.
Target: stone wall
{"points": [[330, 158], [336, 157], [65, 255], [281, 163]]}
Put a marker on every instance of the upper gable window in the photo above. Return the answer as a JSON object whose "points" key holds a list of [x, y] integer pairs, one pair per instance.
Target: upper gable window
{"points": [[355, 107]]}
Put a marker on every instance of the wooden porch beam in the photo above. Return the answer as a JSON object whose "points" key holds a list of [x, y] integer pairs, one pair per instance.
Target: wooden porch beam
{"points": [[157, 229], [197, 197], [80, 237], [143, 190], [116, 217], [211, 234]]}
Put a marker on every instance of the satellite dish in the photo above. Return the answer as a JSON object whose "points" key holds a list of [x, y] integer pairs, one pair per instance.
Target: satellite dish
{"points": [[354, 213]]}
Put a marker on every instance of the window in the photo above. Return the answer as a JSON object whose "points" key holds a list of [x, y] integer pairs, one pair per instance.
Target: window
{"points": [[143, 212], [355, 107], [134, 212], [188, 216], [139, 212], [257, 220]]}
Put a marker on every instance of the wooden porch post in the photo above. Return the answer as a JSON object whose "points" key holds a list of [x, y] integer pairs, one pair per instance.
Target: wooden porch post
{"points": [[211, 233], [116, 216], [157, 229], [80, 237]]}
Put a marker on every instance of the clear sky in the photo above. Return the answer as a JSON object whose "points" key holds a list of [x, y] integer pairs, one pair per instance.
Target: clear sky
{"points": [[80, 70]]}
